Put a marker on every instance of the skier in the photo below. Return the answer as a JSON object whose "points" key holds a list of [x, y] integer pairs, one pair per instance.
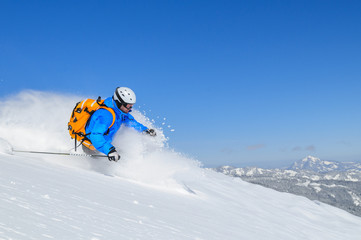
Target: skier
{"points": [[103, 124]]}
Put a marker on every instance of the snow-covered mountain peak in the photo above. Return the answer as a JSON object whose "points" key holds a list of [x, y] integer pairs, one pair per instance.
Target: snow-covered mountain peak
{"points": [[311, 163], [310, 158], [315, 164]]}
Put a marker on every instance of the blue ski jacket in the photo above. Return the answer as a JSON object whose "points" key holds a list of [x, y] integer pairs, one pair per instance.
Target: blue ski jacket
{"points": [[98, 125]]}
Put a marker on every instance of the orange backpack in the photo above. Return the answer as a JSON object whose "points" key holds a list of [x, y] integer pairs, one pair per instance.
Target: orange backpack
{"points": [[81, 114]]}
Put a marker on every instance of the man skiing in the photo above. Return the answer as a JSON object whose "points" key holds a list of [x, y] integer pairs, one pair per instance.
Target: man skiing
{"points": [[103, 124]]}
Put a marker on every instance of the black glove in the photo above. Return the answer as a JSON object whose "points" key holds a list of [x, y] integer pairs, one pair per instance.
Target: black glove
{"points": [[151, 132], [113, 155]]}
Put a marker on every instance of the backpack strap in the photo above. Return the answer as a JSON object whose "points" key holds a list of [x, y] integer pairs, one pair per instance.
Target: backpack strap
{"points": [[111, 111], [102, 105]]}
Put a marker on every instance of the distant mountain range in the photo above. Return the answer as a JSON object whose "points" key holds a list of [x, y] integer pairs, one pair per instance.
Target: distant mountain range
{"points": [[334, 183], [314, 164]]}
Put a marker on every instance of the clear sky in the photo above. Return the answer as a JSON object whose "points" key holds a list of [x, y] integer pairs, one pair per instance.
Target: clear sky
{"points": [[243, 83]]}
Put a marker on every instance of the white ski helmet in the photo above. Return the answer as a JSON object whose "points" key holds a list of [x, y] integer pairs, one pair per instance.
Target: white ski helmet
{"points": [[124, 96]]}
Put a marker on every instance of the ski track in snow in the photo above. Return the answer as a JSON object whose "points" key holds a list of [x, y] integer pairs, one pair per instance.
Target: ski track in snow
{"points": [[152, 193]]}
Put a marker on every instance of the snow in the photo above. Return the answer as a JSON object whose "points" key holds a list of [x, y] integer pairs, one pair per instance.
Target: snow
{"points": [[316, 187], [356, 199], [5, 147], [291, 173], [351, 179], [303, 184], [330, 177], [152, 193], [315, 178]]}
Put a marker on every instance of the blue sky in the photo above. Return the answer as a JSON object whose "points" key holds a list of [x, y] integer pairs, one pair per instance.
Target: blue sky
{"points": [[243, 83]]}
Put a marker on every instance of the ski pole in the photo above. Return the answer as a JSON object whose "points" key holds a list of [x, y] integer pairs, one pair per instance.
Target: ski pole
{"points": [[59, 153]]}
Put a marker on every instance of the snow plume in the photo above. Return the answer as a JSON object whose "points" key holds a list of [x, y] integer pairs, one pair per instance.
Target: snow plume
{"points": [[33, 120], [146, 160], [37, 121]]}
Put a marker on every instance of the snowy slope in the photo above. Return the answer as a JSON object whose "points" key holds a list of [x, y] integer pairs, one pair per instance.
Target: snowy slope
{"points": [[153, 193]]}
